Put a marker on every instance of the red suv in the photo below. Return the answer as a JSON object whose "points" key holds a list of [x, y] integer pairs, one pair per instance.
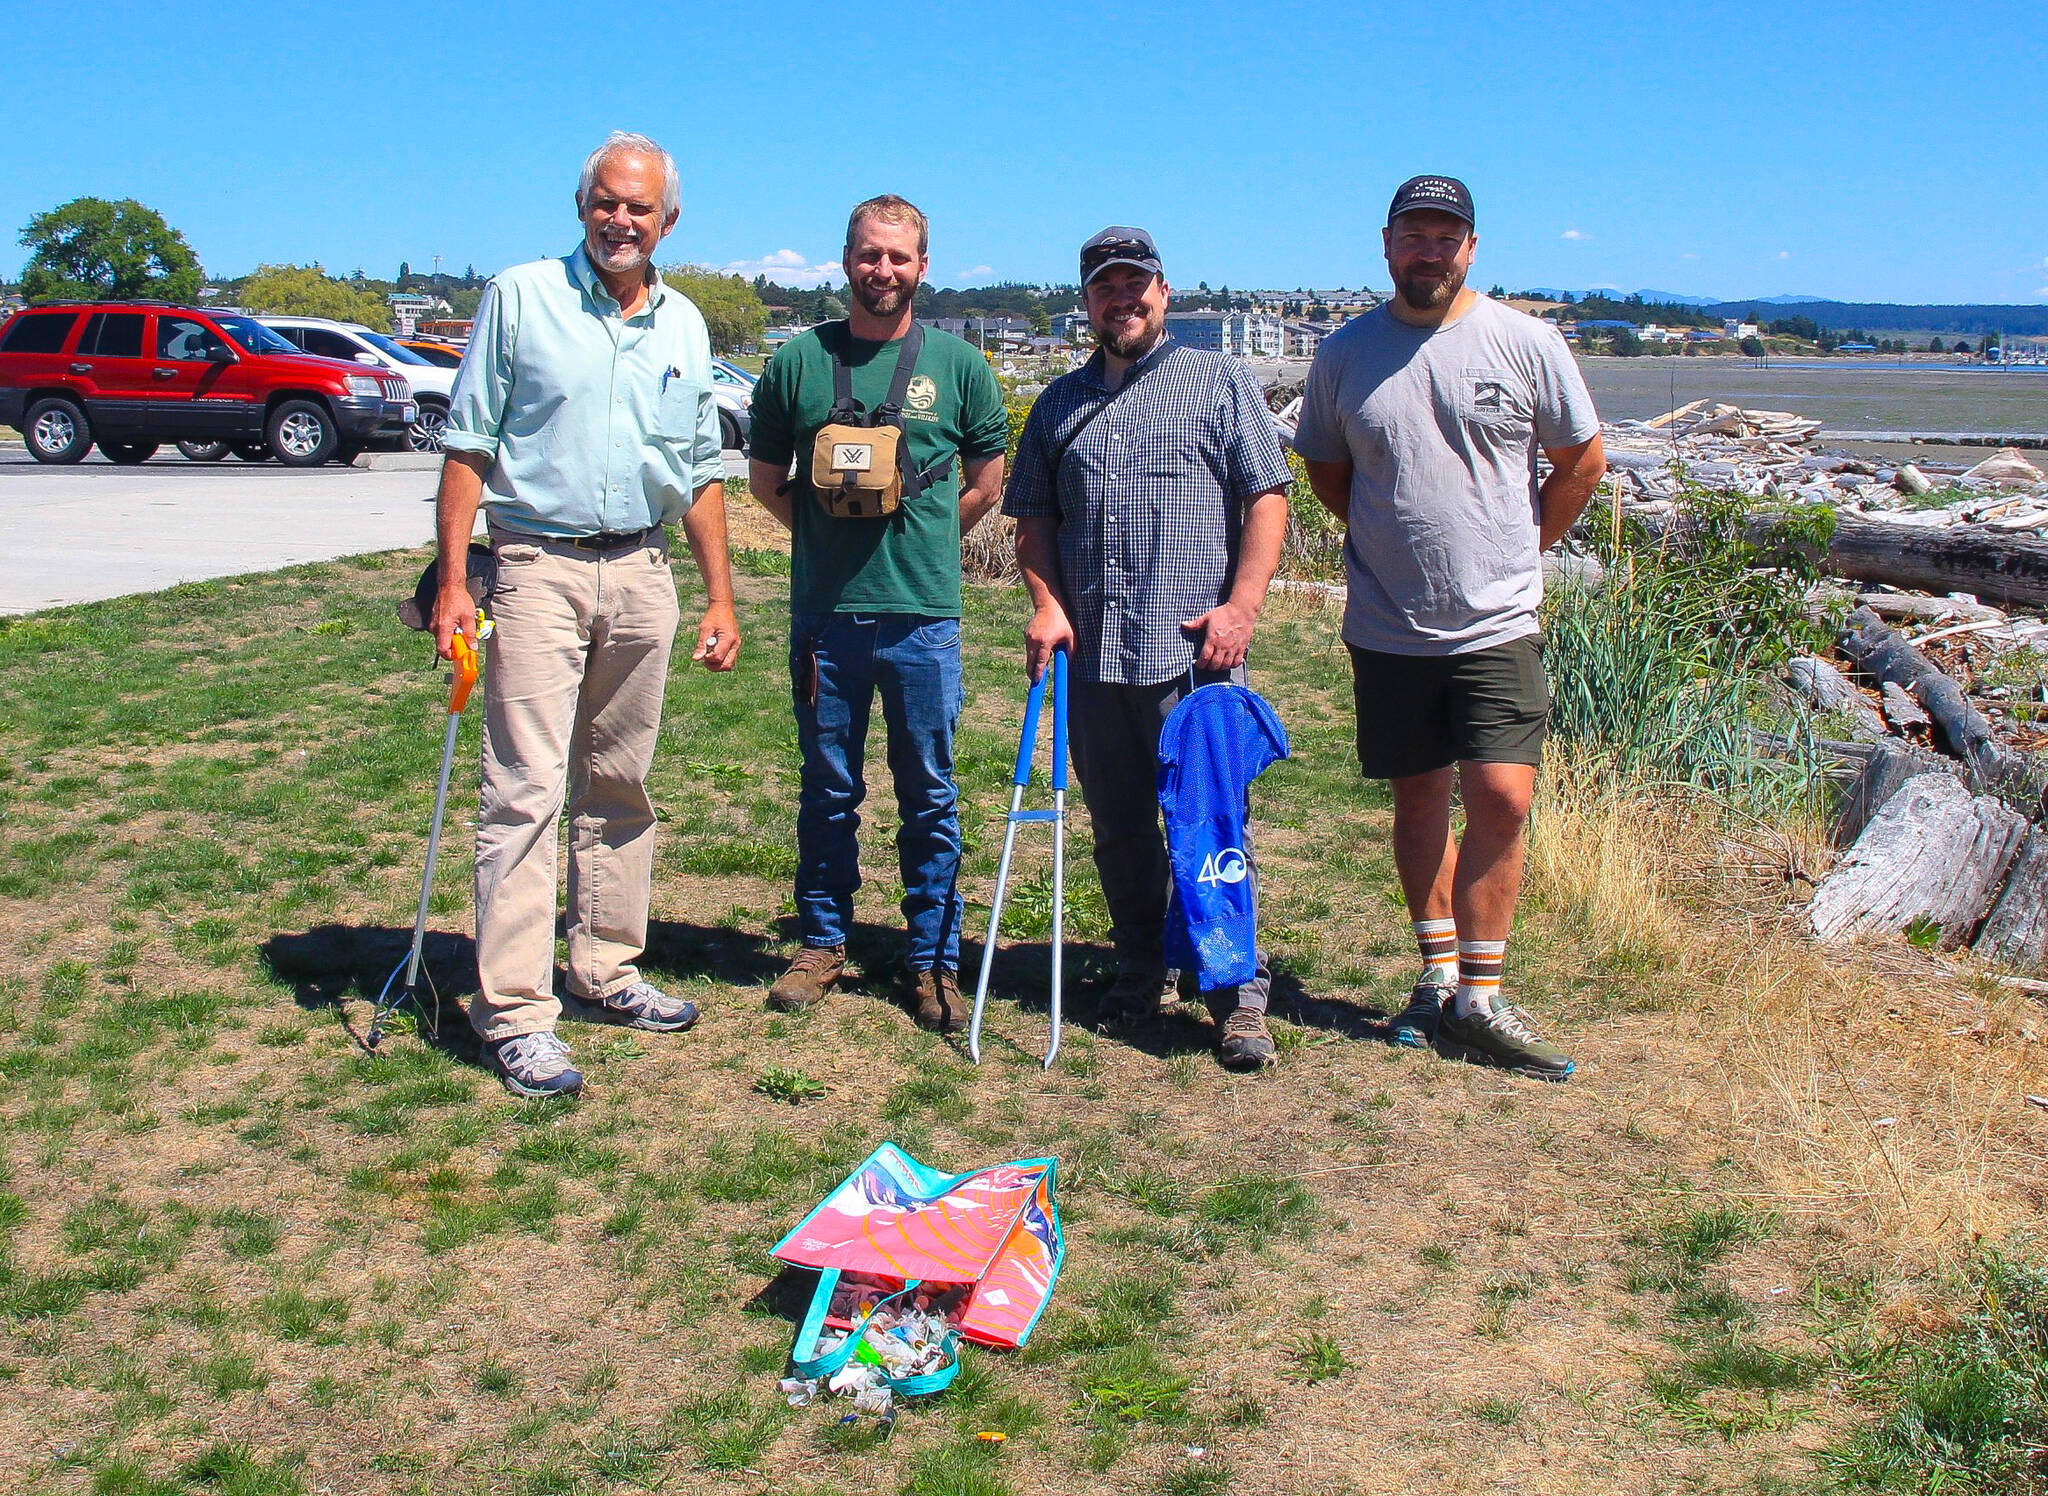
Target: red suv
{"points": [[131, 376]]}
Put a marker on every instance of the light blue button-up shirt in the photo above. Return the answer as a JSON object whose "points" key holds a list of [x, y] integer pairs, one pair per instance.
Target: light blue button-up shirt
{"points": [[595, 423]]}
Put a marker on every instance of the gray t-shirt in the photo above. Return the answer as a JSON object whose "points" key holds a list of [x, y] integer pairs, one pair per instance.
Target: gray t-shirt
{"points": [[1441, 429]]}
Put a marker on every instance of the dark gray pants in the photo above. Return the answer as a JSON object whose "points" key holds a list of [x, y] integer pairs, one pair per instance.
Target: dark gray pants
{"points": [[1113, 736]]}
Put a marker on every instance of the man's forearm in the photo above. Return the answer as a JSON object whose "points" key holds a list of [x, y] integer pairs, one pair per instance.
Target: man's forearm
{"points": [[1258, 549], [981, 488], [704, 528], [456, 502], [1574, 475], [1038, 558], [1330, 482], [770, 485]]}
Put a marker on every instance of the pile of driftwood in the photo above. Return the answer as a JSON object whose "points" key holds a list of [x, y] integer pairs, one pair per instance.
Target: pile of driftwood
{"points": [[1946, 825]]}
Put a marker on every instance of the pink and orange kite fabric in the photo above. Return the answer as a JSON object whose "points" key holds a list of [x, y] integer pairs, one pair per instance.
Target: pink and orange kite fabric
{"points": [[996, 1229]]}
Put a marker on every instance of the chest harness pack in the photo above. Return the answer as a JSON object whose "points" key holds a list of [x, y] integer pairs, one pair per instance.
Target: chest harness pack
{"points": [[859, 461]]}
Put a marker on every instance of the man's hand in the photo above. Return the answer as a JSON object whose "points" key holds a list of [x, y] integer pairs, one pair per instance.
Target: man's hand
{"points": [[454, 613], [1048, 631], [1226, 631], [718, 639]]}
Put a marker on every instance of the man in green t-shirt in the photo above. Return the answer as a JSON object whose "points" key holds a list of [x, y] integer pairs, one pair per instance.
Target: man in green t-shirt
{"points": [[875, 604]]}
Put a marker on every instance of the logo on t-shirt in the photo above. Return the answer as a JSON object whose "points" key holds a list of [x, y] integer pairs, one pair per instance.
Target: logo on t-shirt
{"points": [[923, 393], [1489, 397]]}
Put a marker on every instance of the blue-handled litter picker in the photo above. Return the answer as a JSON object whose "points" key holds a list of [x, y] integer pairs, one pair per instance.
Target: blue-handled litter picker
{"points": [[1027, 747]]}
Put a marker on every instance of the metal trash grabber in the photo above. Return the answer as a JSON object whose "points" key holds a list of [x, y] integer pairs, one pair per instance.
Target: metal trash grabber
{"points": [[1026, 748], [388, 1002]]}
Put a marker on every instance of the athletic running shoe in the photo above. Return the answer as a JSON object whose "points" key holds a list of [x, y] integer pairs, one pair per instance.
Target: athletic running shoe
{"points": [[535, 1065], [1502, 1038], [645, 1006], [1415, 1026]]}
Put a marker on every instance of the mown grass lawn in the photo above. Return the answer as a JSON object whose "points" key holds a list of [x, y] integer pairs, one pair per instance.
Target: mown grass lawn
{"points": [[242, 1255]]}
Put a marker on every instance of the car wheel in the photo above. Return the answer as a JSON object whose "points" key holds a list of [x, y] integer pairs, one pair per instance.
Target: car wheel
{"points": [[128, 453], [203, 451], [729, 432], [56, 430], [302, 434], [250, 451], [427, 430]]}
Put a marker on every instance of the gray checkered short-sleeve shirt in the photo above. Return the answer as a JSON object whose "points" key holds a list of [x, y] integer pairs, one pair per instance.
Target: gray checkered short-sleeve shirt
{"points": [[1150, 498]]}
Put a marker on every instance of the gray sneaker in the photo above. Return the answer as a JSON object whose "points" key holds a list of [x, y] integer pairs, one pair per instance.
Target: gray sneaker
{"points": [[1415, 1026], [535, 1065], [645, 1006], [1504, 1038]]}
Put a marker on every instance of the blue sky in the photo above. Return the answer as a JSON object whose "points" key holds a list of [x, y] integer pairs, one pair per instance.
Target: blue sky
{"points": [[1881, 152]]}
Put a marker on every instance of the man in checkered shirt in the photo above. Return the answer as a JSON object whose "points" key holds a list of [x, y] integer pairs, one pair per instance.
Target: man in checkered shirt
{"points": [[1150, 494]]}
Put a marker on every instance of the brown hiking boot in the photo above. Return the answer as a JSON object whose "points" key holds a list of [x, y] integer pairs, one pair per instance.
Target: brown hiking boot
{"points": [[1246, 1044], [933, 998], [809, 977]]}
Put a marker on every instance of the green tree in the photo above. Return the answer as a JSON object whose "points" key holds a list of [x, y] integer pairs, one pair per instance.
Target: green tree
{"points": [[1752, 347], [309, 291], [733, 312], [90, 249], [1623, 342], [1934, 345]]}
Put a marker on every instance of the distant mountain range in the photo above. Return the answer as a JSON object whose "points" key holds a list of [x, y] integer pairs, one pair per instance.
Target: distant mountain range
{"points": [[1969, 319]]}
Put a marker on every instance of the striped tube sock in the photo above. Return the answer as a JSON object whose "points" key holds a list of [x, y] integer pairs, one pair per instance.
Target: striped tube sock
{"points": [[1438, 941], [1479, 963]]}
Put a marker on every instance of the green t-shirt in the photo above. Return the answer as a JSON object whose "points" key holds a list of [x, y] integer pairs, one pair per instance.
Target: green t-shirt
{"points": [[909, 562]]}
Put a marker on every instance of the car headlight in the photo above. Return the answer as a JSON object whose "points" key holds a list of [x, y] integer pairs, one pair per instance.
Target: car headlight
{"points": [[362, 384]]}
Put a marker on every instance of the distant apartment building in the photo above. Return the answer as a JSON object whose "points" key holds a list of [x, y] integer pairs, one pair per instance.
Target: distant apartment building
{"points": [[1732, 327], [1071, 327], [984, 331], [1303, 339], [1244, 334], [409, 310]]}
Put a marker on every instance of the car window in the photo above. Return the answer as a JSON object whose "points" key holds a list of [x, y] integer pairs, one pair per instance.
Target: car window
{"points": [[331, 344], [112, 335], [440, 357], [397, 350], [254, 336], [38, 332], [185, 339]]}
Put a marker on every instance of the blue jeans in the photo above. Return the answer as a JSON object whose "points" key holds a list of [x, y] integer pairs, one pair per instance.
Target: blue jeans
{"points": [[837, 663]]}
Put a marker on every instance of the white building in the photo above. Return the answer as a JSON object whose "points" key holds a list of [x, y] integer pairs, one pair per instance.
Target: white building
{"points": [[1244, 334]]}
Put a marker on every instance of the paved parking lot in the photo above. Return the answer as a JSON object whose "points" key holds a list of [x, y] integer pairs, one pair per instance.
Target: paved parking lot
{"points": [[76, 534]]}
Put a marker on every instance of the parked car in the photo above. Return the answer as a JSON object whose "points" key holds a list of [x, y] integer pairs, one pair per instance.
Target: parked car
{"points": [[440, 355], [351, 341], [129, 376], [733, 388]]}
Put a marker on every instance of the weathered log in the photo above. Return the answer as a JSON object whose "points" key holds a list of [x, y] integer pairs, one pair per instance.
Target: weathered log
{"points": [[2015, 777], [1901, 710], [1934, 854], [1825, 688], [1927, 609], [2015, 933], [1869, 773]]}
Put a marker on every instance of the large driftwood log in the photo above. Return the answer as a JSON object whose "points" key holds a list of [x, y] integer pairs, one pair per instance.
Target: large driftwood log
{"points": [[2016, 931], [1828, 691], [1869, 773], [1886, 656], [1933, 853], [1959, 558]]}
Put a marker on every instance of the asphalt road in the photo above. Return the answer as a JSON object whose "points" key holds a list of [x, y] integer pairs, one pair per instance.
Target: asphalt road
{"points": [[78, 534]]}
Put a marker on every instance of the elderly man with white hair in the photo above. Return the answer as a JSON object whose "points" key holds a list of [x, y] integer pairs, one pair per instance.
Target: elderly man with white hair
{"points": [[583, 422]]}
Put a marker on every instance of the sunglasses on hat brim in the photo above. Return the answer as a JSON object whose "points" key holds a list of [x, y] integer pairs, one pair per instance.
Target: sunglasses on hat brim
{"points": [[1098, 255]]}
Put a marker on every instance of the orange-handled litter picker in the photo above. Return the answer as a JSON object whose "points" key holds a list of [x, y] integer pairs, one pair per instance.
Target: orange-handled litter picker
{"points": [[388, 1000]]}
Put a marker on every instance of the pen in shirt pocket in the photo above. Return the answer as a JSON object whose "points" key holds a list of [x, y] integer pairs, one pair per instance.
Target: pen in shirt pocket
{"points": [[671, 372]]}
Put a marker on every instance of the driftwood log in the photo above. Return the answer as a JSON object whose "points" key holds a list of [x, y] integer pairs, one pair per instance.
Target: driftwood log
{"points": [[2017, 778], [2016, 931], [1933, 854], [1827, 690], [1959, 558]]}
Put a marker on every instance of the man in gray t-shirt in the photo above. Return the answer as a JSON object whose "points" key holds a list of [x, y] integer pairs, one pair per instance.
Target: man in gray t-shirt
{"points": [[1420, 428]]}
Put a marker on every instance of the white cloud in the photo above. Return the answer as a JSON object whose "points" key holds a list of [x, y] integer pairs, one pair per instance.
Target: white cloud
{"points": [[1688, 255], [2042, 292], [787, 268], [1784, 254], [976, 273], [1574, 235]]}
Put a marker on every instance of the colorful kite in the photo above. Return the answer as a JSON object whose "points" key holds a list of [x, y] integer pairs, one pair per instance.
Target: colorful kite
{"points": [[993, 1232]]}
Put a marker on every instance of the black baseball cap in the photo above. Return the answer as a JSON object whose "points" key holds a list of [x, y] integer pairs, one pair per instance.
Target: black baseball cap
{"points": [[1434, 194], [1119, 244]]}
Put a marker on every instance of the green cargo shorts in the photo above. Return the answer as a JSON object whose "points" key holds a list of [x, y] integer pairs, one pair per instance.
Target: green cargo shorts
{"points": [[1421, 713]]}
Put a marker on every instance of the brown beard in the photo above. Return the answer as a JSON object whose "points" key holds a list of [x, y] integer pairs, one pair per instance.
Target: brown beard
{"points": [[1142, 343], [888, 306], [1446, 290]]}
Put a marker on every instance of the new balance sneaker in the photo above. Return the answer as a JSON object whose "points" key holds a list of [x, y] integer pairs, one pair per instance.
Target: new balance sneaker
{"points": [[1415, 1026], [535, 1065], [809, 978], [1246, 1043], [645, 1006], [1504, 1038], [933, 997]]}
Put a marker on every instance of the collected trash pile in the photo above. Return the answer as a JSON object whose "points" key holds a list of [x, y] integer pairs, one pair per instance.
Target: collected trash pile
{"points": [[1770, 454], [911, 1263]]}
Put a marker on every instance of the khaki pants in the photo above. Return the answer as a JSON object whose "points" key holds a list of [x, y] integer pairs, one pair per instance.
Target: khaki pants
{"points": [[572, 699]]}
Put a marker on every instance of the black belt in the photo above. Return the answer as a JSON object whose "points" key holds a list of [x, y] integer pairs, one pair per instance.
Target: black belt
{"points": [[613, 540]]}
